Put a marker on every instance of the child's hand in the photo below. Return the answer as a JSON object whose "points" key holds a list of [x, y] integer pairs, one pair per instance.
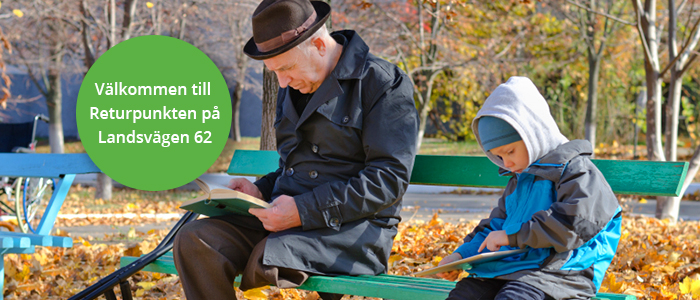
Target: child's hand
{"points": [[451, 275], [495, 240]]}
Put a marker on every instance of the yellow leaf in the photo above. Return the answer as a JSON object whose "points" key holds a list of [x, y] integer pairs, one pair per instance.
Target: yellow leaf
{"points": [[690, 286], [393, 259], [642, 201], [146, 285], [132, 233], [140, 292], [152, 231], [149, 4], [18, 13], [256, 294]]}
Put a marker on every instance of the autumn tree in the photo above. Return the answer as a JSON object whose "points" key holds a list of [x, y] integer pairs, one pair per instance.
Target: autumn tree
{"points": [[596, 22], [43, 42], [4, 79], [682, 36]]}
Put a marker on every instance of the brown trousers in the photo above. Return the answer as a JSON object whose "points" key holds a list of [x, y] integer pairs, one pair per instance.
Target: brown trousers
{"points": [[210, 253]]}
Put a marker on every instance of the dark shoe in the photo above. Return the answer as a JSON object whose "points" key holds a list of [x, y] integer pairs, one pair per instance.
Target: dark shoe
{"points": [[329, 296]]}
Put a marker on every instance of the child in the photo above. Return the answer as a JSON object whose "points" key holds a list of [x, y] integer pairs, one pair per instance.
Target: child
{"points": [[557, 204]]}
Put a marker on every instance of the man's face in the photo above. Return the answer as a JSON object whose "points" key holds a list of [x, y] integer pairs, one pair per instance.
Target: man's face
{"points": [[297, 70], [514, 156]]}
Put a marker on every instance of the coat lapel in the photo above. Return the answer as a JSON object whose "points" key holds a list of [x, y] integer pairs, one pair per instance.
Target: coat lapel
{"points": [[328, 90], [288, 108]]}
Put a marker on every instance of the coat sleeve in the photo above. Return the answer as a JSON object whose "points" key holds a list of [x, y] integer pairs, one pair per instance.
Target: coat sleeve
{"points": [[585, 204], [389, 138], [267, 183], [493, 223]]}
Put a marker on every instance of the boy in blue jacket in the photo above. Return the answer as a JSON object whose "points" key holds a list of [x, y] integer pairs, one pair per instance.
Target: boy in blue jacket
{"points": [[557, 205]]}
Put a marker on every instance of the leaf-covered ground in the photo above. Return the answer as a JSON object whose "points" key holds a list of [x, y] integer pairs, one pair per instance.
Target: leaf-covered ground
{"points": [[655, 261]]}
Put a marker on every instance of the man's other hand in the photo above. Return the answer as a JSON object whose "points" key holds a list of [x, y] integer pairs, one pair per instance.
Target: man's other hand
{"points": [[451, 275], [282, 215], [245, 186]]}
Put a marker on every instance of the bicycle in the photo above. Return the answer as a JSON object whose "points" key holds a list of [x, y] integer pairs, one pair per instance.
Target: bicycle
{"points": [[26, 196]]}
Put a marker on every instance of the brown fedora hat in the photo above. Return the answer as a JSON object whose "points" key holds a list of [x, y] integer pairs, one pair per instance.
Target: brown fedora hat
{"points": [[279, 25]]}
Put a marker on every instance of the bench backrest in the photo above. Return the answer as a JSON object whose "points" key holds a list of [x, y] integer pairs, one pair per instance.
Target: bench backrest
{"points": [[45, 165], [630, 177]]}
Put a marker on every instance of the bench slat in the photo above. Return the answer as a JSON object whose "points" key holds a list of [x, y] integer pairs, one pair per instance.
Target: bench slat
{"points": [[647, 178], [45, 165], [384, 286]]}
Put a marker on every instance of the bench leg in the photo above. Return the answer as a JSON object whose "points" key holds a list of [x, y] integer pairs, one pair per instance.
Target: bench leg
{"points": [[110, 295], [107, 283], [126, 290]]}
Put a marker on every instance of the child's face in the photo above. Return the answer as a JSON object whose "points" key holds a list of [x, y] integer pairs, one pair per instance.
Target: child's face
{"points": [[514, 156]]}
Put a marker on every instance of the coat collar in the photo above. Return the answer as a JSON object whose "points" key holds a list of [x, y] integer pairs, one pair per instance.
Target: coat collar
{"points": [[350, 66]]}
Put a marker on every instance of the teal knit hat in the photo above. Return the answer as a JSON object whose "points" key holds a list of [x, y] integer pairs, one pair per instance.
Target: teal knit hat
{"points": [[495, 132]]}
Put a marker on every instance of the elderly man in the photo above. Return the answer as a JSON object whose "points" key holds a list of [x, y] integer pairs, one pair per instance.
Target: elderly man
{"points": [[346, 135]]}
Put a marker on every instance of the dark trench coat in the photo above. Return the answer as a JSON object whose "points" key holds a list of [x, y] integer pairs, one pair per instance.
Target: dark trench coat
{"points": [[346, 161]]}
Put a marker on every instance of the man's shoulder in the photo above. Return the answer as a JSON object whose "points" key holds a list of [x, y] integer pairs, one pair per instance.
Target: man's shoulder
{"points": [[381, 69]]}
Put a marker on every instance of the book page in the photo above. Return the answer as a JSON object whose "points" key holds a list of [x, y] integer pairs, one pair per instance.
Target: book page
{"points": [[473, 260]]}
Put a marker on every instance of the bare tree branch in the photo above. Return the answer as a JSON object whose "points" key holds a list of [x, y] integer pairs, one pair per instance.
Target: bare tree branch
{"points": [[601, 13]]}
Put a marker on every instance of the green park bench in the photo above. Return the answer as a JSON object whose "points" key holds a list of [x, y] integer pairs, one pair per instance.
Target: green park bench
{"points": [[660, 179], [62, 168]]}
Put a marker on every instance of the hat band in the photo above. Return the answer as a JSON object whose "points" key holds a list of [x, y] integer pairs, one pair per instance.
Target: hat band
{"points": [[286, 36]]}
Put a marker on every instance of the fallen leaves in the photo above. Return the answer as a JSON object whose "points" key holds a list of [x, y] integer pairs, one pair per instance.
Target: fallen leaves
{"points": [[655, 260]]}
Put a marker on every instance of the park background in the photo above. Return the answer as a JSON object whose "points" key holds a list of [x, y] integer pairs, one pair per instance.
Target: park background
{"points": [[620, 74]]}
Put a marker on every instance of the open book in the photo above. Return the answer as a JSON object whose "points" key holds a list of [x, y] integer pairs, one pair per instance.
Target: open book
{"points": [[472, 260], [220, 200]]}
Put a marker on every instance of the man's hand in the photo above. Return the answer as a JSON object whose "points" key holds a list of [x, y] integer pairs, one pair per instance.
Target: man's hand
{"points": [[451, 275], [245, 186], [282, 215], [495, 240]]}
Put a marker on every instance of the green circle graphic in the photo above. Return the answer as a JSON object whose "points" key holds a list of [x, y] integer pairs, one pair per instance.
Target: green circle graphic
{"points": [[153, 113]]}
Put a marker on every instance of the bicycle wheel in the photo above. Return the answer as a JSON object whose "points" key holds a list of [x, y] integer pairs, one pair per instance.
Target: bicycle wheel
{"points": [[36, 193]]}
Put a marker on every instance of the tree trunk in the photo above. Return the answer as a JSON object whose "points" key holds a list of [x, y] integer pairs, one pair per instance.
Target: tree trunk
{"points": [[268, 139], [672, 112], [652, 69], [591, 116], [242, 66], [54, 99], [236, 111], [104, 187]]}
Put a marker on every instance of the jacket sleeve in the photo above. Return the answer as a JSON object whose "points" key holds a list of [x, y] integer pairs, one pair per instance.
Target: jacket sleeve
{"points": [[266, 183], [585, 204], [389, 138], [493, 223]]}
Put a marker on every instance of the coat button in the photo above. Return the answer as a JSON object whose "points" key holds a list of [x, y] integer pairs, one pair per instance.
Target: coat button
{"points": [[335, 222], [313, 174], [290, 172], [314, 148], [346, 119]]}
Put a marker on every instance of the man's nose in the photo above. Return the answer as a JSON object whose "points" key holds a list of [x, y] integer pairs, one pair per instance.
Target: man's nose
{"points": [[283, 80]]}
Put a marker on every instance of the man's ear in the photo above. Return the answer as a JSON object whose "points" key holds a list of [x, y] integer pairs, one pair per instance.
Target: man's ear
{"points": [[320, 45]]}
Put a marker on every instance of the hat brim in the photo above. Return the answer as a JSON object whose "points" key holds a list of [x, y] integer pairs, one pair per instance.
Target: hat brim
{"points": [[323, 11]]}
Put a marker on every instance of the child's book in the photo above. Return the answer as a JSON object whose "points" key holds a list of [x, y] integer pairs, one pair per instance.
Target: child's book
{"points": [[472, 260], [220, 200]]}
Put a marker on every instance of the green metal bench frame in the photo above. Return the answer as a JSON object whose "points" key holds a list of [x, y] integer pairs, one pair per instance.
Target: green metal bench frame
{"points": [[474, 171], [64, 167]]}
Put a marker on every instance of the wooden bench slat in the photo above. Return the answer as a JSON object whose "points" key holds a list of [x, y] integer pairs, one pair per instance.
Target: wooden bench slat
{"points": [[386, 286], [624, 176], [478, 171], [45, 165]]}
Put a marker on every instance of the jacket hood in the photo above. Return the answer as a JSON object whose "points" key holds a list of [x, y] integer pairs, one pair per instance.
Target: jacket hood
{"points": [[519, 103]]}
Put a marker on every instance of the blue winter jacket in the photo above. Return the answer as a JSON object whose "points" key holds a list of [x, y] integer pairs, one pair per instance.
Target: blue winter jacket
{"points": [[561, 209]]}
